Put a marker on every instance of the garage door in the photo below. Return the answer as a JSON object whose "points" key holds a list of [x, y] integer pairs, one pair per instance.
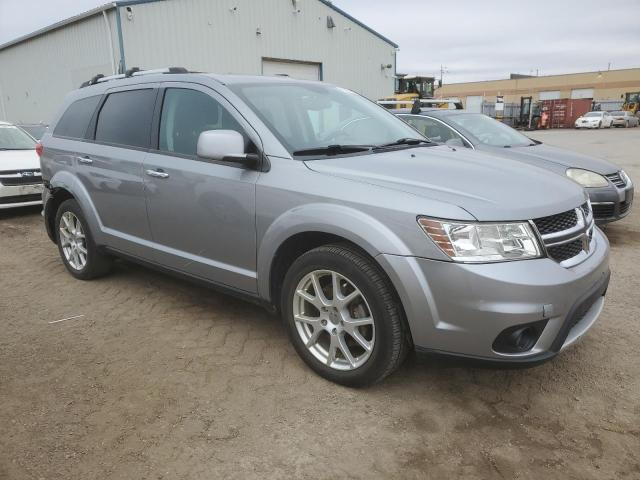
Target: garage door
{"points": [[550, 95], [582, 93], [299, 70], [474, 103]]}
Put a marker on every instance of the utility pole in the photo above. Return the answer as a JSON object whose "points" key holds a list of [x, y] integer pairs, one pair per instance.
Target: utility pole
{"points": [[443, 69]]}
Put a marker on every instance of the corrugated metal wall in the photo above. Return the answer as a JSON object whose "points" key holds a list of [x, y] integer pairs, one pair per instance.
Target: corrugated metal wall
{"points": [[220, 36], [37, 73], [205, 35]]}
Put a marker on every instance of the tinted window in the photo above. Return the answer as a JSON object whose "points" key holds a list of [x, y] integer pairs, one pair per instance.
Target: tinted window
{"points": [[125, 118], [75, 120], [188, 113]]}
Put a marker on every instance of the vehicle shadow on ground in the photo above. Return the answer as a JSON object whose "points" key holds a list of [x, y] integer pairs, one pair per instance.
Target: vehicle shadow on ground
{"points": [[417, 369], [19, 212], [621, 235]]}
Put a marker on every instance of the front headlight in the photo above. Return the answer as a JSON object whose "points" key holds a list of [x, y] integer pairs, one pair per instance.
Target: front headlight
{"points": [[587, 178], [625, 177], [482, 242]]}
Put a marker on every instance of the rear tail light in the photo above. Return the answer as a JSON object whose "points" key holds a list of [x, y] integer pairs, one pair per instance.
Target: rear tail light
{"points": [[39, 149]]}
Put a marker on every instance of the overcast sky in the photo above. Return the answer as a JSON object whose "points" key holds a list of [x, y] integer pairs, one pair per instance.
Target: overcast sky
{"points": [[475, 40]]}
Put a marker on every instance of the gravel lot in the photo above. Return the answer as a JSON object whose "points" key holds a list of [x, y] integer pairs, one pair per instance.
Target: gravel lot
{"points": [[161, 379]]}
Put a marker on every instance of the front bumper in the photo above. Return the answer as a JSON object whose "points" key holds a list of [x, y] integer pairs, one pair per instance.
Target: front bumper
{"points": [[14, 196], [610, 203], [587, 125], [460, 309]]}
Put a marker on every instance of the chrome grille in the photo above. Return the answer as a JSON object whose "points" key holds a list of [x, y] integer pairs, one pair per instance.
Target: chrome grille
{"points": [[20, 177], [557, 222], [567, 236], [563, 252], [616, 179]]}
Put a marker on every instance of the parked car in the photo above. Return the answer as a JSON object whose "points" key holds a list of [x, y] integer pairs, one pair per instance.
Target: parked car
{"points": [[315, 202], [36, 130], [623, 118], [610, 188], [20, 180], [594, 120]]}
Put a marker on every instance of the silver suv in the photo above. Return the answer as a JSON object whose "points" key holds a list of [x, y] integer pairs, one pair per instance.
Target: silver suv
{"points": [[368, 239]]}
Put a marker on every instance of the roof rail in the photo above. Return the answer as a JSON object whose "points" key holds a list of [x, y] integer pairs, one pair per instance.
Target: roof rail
{"points": [[133, 72]]}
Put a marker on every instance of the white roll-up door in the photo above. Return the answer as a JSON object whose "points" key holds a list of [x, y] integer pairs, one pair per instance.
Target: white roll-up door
{"points": [[550, 95], [299, 70], [474, 103], [582, 93]]}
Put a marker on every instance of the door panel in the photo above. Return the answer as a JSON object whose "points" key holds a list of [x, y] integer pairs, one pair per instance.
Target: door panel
{"points": [[111, 167], [202, 213], [202, 217]]}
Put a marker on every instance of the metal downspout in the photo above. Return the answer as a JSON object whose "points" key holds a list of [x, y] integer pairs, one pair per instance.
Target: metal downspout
{"points": [[123, 64], [109, 39]]}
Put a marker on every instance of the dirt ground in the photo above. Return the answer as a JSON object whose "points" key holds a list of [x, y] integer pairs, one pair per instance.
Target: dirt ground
{"points": [[163, 380]]}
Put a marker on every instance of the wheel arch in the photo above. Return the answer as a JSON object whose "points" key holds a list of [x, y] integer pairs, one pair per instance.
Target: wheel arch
{"points": [[306, 228], [63, 186]]}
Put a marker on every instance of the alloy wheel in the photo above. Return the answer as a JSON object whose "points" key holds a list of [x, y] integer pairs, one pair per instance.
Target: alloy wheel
{"points": [[333, 319], [73, 241]]}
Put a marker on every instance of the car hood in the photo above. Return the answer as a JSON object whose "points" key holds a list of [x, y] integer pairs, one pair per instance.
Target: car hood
{"points": [[556, 159], [18, 160], [490, 188]]}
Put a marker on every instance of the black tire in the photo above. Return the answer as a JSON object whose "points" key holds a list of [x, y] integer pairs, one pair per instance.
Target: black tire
{"points": [[599, 125], [392, 338], [97, 263]]}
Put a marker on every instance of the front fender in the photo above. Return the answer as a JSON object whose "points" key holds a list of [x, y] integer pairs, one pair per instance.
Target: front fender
{"points": [[354, 225]]}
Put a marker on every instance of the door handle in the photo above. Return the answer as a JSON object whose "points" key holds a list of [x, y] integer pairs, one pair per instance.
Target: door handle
{"points": [[86, 160], [157, 173]]}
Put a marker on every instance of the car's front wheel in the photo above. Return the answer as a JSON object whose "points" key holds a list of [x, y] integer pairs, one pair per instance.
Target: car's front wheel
{"points": [[77, 249], [343, 316]]}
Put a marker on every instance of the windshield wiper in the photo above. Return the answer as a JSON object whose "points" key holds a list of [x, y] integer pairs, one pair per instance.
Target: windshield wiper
{"points": [[333, 150], [406, 141]]}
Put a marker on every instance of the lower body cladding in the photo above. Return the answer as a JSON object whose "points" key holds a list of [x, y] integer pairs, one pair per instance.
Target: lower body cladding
{"points": [[14, 196], [610, 203], [521, 312]]}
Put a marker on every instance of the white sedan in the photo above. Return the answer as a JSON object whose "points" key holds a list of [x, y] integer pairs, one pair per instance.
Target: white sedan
{"points": [[20, 178], [594, 120]]}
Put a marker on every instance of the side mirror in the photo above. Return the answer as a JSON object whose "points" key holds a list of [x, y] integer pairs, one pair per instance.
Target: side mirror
{"points": [[454, 142], [227, 145]]}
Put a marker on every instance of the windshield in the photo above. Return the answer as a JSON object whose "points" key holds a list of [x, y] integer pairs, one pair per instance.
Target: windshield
{"points": [[36, 131], [593, 114], [12, 138], [621, 114], [490, 131], [315, 116]]}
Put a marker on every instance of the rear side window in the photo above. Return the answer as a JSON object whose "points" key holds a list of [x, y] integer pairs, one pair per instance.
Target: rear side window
{"points": [[125, 118], [75, 120]]}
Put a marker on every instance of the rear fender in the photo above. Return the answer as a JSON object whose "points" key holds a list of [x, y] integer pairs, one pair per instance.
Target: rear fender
{"points": [[69, 182]]}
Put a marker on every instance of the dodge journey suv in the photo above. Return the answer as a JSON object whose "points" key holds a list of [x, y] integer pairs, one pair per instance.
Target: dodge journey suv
{"points": [[368, 239]]}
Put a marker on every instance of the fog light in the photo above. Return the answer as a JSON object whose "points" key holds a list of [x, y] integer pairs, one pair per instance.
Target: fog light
{"points": [[519, 338]]}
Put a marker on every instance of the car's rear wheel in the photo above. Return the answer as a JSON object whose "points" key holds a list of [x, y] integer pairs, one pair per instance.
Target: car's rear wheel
{"points": [[77, 249], [343, 316]]}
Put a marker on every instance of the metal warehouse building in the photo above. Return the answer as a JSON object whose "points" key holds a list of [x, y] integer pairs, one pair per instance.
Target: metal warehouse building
{"points": [[310, 39]]}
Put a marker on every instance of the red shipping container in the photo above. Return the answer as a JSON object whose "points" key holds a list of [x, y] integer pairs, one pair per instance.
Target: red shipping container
{"points": [[563, 112]]}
